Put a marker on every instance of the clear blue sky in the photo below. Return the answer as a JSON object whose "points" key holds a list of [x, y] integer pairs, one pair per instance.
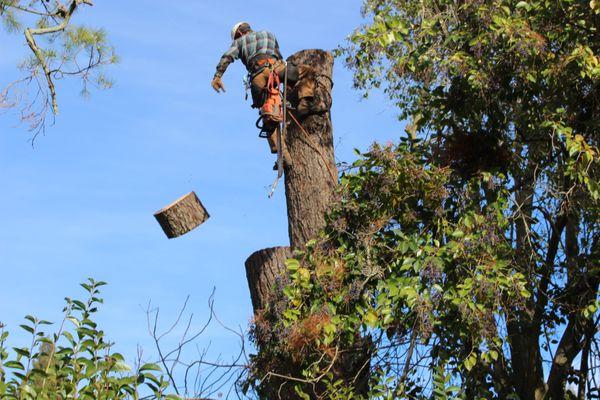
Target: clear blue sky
{"points": [[80, 203]]}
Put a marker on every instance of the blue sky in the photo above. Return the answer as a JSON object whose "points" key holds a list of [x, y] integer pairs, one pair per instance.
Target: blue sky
{"points": [[80, 203]]}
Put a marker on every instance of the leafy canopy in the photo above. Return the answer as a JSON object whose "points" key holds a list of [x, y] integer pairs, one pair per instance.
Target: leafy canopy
{"points": [[468, 254]]}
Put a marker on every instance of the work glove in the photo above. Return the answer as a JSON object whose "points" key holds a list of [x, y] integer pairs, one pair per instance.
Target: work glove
{"points": [[217, 84]]}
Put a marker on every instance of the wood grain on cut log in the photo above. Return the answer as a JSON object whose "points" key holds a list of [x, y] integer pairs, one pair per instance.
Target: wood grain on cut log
{"points": [[181, 216], [264, 269], [311, 176]]}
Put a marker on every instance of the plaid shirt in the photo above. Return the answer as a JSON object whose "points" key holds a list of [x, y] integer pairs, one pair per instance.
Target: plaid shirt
{"points": [[247, 47]]}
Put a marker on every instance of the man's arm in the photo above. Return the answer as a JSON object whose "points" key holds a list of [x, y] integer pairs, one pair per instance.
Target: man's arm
{"points": [[230, 56]]}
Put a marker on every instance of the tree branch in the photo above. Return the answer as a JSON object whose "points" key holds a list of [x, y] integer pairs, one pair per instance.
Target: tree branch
{"points": [[572, 341], [542, 300], [31, 32]]}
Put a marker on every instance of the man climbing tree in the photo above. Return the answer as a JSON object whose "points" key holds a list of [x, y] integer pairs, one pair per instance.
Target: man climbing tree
{"points": [[259, 51]]}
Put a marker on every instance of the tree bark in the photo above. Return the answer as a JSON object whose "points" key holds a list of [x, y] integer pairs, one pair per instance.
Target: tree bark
{"points": [[181, 216], [265, 270], [311, 178], [310, 173]]}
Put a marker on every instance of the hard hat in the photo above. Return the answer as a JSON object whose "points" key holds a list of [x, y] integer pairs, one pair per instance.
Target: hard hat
{"points": [[236, 27]]}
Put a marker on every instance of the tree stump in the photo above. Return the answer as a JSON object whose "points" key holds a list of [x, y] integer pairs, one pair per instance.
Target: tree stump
{"points": [[181, 216], [264, 270]]}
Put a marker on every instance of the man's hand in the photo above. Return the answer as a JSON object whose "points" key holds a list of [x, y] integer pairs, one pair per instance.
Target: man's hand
{"points": [[217, 84]]}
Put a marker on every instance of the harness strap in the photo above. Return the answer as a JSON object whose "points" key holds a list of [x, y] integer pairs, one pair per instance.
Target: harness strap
{"points": [[281, 132], [273, 82], [260, 62]]}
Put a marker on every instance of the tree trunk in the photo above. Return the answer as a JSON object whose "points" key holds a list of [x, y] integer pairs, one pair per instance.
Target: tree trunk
{"points": [[310, 173], [311, 178], [265, 270], [581, 290]]}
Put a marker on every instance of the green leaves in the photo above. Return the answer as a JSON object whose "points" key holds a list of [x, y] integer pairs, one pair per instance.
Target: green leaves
{"points": [[443, 242], [470, 361], [76, 359], [524, 5], [9, 17], [393, 260], [442, 390], [150, 367]]}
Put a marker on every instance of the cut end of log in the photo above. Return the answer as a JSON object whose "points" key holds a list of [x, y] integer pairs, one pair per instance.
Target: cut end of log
{"points": [[181, 216]]}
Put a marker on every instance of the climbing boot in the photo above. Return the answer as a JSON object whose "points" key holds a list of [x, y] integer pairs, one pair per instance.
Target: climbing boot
{"points": [[272, 139]]}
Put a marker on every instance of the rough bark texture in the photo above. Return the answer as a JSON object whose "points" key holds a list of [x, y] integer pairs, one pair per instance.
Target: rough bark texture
{"points": [[181, 216], [310, 173], [263, 269], [311, 178]]}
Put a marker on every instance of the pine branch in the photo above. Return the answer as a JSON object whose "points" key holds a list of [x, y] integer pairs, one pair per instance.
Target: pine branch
{"points": [[30, 33]]}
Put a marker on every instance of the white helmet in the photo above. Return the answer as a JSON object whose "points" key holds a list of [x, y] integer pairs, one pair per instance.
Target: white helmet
{"points": [[235, 29]]}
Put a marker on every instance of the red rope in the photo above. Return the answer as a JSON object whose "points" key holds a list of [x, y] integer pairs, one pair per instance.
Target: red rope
{"points": [[334, 176]]}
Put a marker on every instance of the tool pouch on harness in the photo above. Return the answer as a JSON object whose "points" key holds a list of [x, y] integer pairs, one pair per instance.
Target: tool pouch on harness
{"points": [[271, 112], [272, 108], [305, 89], [265, 86]]}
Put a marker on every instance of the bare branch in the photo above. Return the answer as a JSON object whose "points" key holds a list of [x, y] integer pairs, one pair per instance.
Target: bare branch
{"points": [[210, 375]]}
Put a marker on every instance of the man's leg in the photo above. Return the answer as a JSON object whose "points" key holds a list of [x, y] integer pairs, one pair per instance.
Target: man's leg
{"points": [[271, 108], [258, 87], [258, 90], [273, 140]]}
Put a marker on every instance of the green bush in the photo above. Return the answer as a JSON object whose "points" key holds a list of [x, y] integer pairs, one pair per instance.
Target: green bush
{"points": [[74, 362]]}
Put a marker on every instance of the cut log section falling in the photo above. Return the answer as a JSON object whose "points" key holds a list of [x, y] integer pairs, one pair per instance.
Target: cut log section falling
{"points": [[181, 216]]}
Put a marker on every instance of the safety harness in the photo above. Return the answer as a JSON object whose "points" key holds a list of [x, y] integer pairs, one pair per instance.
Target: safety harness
{"points": [[271, 108], [272, 118], [281, 132], [271, 111]]}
